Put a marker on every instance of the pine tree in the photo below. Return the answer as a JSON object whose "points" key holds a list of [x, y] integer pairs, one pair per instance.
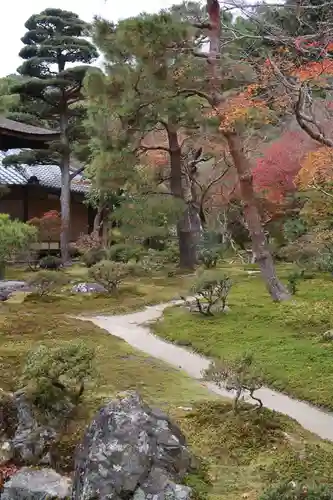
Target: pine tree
{"points": [[51, 92], [143, 93]]}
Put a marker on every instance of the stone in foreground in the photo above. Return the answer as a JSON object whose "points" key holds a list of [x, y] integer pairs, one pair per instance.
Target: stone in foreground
{"points": [[131, 451], [33, 484]]}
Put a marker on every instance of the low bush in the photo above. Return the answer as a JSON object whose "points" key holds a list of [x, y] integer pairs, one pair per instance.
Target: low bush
{"points": [[294, 491], [237, 375], [46, 282], [213, 288], [123, 252], [87, 242], [208, 257], [110, 274], [50, 262], [57, 375], [93, 256], [171, 253], [324, 262]]}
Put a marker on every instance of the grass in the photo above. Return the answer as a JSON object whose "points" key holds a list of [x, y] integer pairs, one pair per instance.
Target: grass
{"points": [[240, 456], [135, 293], [246, 454], [285, 338]]}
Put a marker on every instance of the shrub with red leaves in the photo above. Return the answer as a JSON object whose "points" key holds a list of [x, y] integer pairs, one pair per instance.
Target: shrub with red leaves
{"points": [[275, 172]]}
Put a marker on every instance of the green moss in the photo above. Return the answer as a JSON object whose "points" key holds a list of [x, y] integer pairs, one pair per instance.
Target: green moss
{"points": [[247, 453], [238, 455], [285, 337]]}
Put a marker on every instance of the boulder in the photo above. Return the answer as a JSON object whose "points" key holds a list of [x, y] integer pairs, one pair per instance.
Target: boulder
{"points": [[11, 286], [6, 451], [5, 295], [131, 450], [22, 437], [88, 288], [159, 486], [31, 440], [32, 484]]}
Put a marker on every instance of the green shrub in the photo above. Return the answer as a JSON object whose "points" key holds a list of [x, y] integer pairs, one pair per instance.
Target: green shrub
{"points": [[16, 237], [57, 375], [50, 262], [93, 256], [303, 251], [293, 279], [46, 282], [123, 252], [208, 257], [237, 375], [293, 491], [325, 260], [213, 288], [171, 253], [110, 274]]}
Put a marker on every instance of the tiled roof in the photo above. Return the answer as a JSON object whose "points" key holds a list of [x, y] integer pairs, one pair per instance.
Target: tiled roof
{"points": [[48, 176], [23, 128]]}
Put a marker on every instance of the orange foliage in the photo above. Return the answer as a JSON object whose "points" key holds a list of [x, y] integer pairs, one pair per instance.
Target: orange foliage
{"points": [[317, 168], [240, 108], [314, 70]]}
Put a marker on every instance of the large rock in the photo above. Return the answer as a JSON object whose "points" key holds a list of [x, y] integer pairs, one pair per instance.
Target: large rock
{"points": [[31, 484], [88, 288], [31, 440], [22, 437], [131, 450], [11, 286]]}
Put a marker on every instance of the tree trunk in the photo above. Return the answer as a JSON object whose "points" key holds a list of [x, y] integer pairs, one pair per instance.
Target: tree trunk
{"points": [[187, 249], [187, 231], [260, 247], [65, 197], [98, 220], [65, 200]]}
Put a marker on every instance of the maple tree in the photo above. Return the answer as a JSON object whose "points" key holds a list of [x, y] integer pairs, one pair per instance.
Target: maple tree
{"points": [[48, 226], [275, 173], [231, 133]]}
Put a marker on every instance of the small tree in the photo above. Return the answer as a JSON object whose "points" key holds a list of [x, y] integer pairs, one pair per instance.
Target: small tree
{"points": [[58, 374], [236, 375], [109, 274], [48, 226], [15, 237], [46, 282], [213, 288]]}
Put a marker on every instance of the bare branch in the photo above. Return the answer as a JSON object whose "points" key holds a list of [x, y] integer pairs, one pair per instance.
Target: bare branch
{"points": [[305, 121]]}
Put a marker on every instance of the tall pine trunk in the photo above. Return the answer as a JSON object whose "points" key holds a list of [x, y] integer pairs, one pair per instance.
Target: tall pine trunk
{"points": [[260, 248], [242, 164], [65, 197], [187, 227]]}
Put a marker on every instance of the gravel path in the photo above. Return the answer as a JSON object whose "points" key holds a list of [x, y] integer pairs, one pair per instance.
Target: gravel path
{"points": [[134, 330]]}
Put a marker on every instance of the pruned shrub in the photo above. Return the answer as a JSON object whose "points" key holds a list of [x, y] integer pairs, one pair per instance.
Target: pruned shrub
{"points": [[87, 242], [294, 491], [324, 260], [211, 289], [46, 282], [208, 257], [56, 376], [50, 262], [237, 375], [293, 280], [123, 252], [93, 256], [110, 274]]}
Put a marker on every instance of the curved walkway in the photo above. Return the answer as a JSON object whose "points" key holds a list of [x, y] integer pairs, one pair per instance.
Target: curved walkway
{"points": [[134, 330]]}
